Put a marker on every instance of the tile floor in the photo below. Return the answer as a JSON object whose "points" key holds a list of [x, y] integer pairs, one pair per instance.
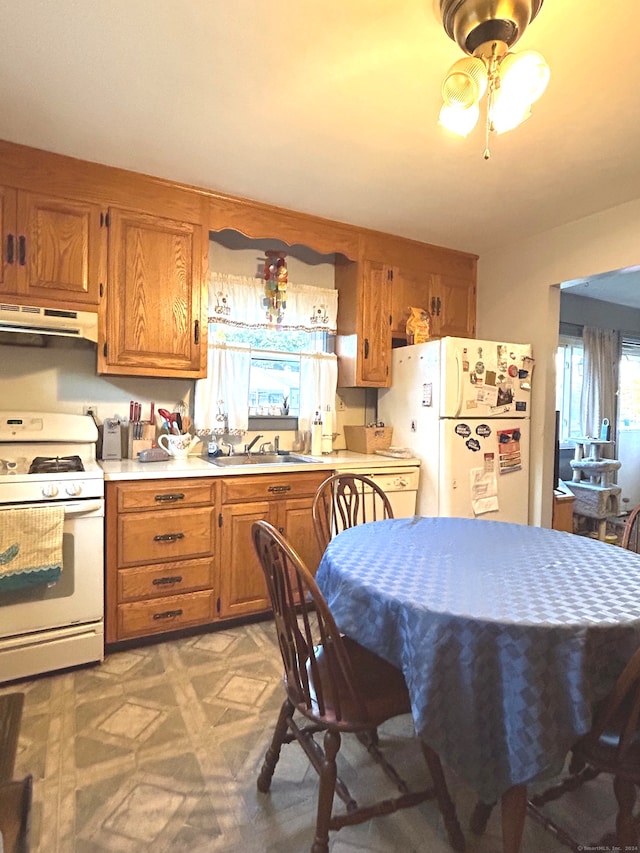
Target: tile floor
{"points": [[158, 749]]}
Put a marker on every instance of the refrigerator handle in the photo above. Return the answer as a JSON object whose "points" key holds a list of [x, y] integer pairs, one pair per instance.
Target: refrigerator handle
{"points": [[459, 378]]}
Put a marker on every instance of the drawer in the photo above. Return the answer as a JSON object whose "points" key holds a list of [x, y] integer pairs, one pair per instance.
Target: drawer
{"points": [[168, 579], [142, 618], [270, 486], [158, 537], [165, 494]]}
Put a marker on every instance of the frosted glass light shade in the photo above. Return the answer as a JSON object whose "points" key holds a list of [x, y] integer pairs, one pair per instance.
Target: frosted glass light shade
{"points": [[525, 73], [465, 83], [508, 110], [458, 120]]}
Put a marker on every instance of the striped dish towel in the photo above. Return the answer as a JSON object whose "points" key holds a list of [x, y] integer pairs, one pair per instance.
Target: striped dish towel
{"points": [[31, 540]]}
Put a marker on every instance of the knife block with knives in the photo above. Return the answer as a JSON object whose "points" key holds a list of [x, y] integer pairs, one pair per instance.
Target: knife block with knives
{"points": [[140, 434]]}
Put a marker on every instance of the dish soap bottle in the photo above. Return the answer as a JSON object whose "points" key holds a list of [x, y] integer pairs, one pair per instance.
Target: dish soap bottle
{"points": [[316, 435]]}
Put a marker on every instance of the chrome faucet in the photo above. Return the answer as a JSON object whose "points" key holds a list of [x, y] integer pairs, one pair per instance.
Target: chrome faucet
{"points": [[247, 447], [229, 445], [264, 445], [276, 444]]}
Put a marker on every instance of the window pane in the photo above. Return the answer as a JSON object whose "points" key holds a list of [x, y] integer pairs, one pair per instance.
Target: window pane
{"points": [[274, 385], [569, 362], [629, 388]]}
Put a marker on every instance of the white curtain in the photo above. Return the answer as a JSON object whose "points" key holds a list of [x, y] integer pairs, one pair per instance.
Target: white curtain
{"points": [[238, 301], [318, 383], [599, 380], [221, 400]]}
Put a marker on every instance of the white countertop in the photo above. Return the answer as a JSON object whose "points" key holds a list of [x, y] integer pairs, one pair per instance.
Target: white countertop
{"points": [[199, 466]]}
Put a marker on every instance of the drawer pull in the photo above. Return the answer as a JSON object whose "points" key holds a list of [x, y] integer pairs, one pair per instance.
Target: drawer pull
{"points": [[278, 490], [177, 496], [170, 579], [168, 614], [168, 537]]}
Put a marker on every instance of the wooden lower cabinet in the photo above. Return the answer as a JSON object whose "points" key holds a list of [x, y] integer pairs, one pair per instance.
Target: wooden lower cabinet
{"points": [[284, 500], [161, 556]]}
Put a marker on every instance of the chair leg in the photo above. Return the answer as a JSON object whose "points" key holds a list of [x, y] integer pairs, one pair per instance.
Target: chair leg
{"points": [[328, 776], [273, 753], [447, 807], [626, 832], [480, 817]]}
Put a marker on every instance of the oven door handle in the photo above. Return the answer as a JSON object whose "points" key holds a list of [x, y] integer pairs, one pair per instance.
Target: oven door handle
{"points": [[74, 509]]}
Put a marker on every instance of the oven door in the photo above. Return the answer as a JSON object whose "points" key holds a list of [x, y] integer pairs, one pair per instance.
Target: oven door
{"points": [[77, 596]]}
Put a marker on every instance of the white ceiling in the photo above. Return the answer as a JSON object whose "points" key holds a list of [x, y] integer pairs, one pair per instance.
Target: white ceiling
{"points": [[328, 107]]}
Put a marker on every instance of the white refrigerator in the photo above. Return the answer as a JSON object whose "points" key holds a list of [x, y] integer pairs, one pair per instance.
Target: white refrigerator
{"points": [[463, 407]]}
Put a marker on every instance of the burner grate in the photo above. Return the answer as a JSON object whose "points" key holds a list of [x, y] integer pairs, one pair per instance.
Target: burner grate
{"points": [[55, 464]]}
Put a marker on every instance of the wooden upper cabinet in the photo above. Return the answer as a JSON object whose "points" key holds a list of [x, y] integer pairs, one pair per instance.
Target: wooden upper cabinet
{"points": [[453, 307], [411, 288], [363, 343], [9, 232], [154, 308], [375, 337], [53, 249]]}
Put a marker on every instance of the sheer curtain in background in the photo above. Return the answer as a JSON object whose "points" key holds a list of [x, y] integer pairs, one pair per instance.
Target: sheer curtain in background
{"points": [[602, 349]]}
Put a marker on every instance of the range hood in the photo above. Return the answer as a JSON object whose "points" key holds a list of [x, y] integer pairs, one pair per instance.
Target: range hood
{"points": [[48, 321]]}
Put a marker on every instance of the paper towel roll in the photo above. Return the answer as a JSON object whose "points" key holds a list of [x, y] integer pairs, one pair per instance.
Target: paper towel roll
{"points": [[327, 431]]}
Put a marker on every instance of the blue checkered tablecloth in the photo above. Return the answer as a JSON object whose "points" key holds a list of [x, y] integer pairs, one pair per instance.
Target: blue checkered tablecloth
{"points": [[506, 634]]}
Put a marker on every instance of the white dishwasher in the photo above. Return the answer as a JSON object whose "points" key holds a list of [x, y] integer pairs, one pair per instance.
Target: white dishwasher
{"points": [[400, 484]]}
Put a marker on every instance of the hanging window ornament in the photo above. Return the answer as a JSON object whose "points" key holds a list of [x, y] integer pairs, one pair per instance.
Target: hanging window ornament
{"points": [[275, 286]]}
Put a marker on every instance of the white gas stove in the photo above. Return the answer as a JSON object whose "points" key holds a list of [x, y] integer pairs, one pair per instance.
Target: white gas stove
{"points": [[49, 459], [45, 456]]}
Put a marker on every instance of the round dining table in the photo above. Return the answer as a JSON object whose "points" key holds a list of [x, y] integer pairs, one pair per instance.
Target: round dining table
{"points": [[506, 635]]}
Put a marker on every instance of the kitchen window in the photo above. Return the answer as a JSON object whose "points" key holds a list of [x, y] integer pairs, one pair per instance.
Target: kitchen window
{"points": [[261, 369]]}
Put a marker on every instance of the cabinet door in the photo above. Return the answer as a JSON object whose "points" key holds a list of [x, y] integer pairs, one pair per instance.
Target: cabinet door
{"points": [[453, 306], [154, 326], [8, 230], [242, 585], [296, 522], [59, 251], [411, 288], [374, 345]]}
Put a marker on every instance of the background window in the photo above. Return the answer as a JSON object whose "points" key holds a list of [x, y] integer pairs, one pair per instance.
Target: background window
{"points": [[569, 362]]}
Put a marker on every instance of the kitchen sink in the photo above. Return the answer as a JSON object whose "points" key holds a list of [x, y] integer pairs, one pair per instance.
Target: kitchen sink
{"points": [[260, 459]]}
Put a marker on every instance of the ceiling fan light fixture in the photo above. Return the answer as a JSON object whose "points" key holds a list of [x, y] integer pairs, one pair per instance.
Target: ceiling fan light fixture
{"points": [[526, 73], [465, 83], [459, 120], [486, 30]]}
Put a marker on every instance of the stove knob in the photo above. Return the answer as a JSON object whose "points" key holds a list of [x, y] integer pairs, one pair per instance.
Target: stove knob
{"points": [[73, 490], [50, 490]]}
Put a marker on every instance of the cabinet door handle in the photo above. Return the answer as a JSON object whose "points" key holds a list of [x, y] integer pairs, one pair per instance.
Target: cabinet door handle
{"points": [[278, 490], [196, 332], [22, 250], [366, 347], [168, 537], [433, 306], [168, 614], [177, 496], [167, 580], [10, 248], [439, 306]]}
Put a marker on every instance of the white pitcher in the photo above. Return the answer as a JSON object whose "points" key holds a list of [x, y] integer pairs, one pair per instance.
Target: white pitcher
{"points": [[178, 445]]}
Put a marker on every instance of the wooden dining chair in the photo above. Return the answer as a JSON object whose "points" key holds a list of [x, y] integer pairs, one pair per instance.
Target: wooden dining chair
{"points": [[337, 687], [611, 746], [345, 500], [631, 532], [15, 795]]}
